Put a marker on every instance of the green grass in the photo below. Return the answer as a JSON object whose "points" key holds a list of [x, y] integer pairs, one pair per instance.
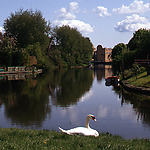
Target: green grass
{"points": [[143, 80], [20, 139]]}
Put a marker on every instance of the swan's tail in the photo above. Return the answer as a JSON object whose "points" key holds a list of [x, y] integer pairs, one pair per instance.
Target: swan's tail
{"points": [[64, 131]]}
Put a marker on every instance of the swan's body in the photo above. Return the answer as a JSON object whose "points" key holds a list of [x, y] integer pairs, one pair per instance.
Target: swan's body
{"points": [[86, 131]]}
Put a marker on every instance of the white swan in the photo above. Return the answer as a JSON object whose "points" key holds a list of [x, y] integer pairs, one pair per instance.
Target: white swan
{"points": [[86, 131]]}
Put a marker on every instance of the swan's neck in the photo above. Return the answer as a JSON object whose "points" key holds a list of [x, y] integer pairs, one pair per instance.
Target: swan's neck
{"points": [[87, 123]]}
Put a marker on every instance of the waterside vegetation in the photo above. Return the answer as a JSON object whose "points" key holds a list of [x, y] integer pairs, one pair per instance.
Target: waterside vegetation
{"points": [[124, 55], [125, 60], [43, 139], [28, 35], [141, 80]]}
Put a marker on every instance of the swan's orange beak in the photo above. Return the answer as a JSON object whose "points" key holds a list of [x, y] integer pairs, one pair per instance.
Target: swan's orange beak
{"points": [[95, 120]]}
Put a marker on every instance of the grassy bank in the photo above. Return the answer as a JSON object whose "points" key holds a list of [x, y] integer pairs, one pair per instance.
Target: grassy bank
{"points": [[141, 80], [42, 139]]}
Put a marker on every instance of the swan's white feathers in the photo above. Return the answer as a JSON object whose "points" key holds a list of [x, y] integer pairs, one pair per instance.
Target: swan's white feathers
{"points": [[86, 131], [83, 131]]}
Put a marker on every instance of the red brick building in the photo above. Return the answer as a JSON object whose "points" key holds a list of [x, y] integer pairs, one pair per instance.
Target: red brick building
{"points": [[103, 54]]}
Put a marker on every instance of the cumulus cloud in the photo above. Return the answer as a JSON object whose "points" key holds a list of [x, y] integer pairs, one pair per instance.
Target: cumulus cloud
{"points": [[135, 7], [67, 17], [80, 25], [132, 23], [73, 7], [64, 14], [102, 11], [68, 13]]}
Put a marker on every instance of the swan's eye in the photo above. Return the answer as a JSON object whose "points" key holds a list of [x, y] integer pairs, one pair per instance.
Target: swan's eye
{"points": [[93, 117]]}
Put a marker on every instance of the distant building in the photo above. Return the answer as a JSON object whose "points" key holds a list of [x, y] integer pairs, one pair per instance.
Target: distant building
{"points": [[108, 52], [103, 54]]}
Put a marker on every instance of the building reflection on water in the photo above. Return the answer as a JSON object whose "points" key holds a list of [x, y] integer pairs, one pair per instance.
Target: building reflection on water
{"points": [[102, 71]]}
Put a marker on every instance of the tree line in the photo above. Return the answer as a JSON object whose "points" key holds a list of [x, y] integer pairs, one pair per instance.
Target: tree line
{"points": [[138, 47], [28, 35]]}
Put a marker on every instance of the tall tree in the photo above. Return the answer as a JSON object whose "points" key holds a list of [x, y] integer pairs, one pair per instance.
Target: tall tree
{"points": [[118, 56], [140, 42], [75, 49], [28, 27]]}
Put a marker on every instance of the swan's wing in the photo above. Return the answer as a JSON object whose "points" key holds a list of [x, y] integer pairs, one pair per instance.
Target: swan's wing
{"points": [[83, 131], [96, 134], [78, 130], [64, 131]]}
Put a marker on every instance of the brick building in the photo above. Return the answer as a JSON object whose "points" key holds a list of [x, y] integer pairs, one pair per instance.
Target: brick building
{"points": [[103, 54]]}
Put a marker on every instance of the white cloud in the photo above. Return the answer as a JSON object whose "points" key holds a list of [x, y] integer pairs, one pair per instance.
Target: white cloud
{"points": [[67, 17], [68, 13], [102, 11], [73, 7], [2, 30], [80, 25], [135, 7], [132, 23], [64, 14], [86, 96], [103, 111]]}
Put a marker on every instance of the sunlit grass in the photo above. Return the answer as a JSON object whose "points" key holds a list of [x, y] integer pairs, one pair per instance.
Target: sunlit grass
{"points": [[41, 139], [142, 80]]}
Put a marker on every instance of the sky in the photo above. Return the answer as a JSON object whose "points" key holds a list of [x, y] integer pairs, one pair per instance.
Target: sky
{"points": [[105, 22]]}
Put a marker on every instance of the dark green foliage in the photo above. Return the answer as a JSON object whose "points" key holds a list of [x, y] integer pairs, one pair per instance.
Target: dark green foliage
{"points": [[140, 44], [27, 27], [138, 48], [10, 55], [39, 52], [118, 50], [74, 48], [118, 56], [56, 58], [27, 34]]}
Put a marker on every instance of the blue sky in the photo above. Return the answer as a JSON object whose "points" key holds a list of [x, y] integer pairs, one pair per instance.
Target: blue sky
{"points": [[105, 22]]}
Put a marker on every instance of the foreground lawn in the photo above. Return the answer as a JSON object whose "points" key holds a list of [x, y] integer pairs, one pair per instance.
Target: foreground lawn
{"points": [[50, 140], [143, 80]]}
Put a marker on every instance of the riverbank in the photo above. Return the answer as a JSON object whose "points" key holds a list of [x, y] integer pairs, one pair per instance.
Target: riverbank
{"points": [[13, 138], [140, 83]]}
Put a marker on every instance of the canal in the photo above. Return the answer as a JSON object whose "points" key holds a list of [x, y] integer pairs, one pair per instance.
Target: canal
{"points": [[63, 98]]}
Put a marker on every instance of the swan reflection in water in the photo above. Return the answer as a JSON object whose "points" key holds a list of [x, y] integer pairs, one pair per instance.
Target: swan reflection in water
{"points": [[86, 131]]}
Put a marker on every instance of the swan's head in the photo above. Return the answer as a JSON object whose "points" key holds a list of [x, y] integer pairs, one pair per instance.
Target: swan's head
{"points": [[90, 116]]}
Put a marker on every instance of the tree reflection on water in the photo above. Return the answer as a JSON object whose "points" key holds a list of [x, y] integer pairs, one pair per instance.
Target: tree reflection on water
{"points": [[24, 100], [31, 101], [71, 86], [27, 101], [140, 103]]}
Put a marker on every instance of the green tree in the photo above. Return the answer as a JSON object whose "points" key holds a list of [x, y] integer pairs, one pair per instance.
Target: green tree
{"points": [[31, 33], [75, 49], [140, 42], [118, 56], [10, 55], [37, 51], [28, 27], [55, 56]]}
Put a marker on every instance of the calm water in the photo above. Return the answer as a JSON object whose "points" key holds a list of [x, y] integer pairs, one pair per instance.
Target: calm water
{"points": [[64, 98]]}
